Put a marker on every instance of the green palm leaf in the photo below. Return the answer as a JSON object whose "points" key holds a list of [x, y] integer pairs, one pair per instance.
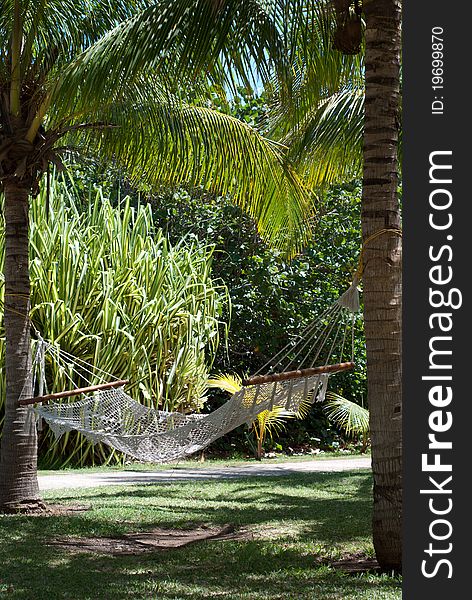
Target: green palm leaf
{"points": [[318, 71], [327, 144], [130, 85], [321, 119], [351, 417], [162, 141], [179, 40]]}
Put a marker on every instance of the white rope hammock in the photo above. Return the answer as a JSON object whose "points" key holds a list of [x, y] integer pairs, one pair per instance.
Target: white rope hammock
{"points": [[106, 413]]}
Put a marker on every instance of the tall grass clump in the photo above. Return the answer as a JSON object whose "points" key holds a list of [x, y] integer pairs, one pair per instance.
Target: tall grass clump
{"points": [[110, 289]]}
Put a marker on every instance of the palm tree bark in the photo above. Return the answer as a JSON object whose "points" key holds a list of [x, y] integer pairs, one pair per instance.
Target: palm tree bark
{"points": [[382, 275], [18, 455]]}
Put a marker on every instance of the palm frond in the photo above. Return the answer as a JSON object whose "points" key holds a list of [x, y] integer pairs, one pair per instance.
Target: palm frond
{"points": [[179, 40], [271, 422], [161, 141], [351, 417], [321, 119], [66, 27], [227, 382], [327, 144], [318, 70]]}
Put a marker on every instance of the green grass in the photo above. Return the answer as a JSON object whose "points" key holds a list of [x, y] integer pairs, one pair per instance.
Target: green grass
{"points": [[296, 520]]}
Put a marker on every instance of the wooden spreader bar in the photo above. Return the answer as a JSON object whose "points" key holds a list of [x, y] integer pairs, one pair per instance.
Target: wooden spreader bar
{"points": [[298, 374], [76, 392]]}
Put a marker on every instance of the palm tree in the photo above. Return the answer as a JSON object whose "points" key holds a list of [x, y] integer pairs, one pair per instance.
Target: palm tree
{"points": [[382, 273], [125, 80], [343, 132]]}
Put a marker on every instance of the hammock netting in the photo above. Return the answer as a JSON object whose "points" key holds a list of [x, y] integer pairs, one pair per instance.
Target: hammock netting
{"points": [[145, 433], [113, 417]]}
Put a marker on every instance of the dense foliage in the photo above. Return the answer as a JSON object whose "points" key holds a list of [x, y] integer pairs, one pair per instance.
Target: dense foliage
{"points": [[272, 297]]}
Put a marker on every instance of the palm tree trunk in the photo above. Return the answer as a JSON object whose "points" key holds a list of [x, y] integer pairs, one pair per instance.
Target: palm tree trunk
{"points": [[18, 455], [382, 275], [259, 449]]}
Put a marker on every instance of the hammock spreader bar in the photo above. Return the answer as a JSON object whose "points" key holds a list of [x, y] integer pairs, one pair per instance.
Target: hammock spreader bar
{"points": [[76, 392], [300, 373]]}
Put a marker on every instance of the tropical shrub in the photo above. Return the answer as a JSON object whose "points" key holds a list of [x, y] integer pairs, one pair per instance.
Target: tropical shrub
{"points": [[268, 423], [109, 288], [271, 297]]}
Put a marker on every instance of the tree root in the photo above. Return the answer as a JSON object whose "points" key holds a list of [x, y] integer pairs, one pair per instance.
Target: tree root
{"points": [[24, 507]]}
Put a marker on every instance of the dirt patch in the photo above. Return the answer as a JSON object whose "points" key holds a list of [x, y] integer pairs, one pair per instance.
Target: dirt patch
{"points": [[59, 510], [356, 563], [157, 539]]}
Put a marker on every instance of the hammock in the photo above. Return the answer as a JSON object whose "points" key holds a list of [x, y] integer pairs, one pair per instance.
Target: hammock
{"points": [[107, 414]]}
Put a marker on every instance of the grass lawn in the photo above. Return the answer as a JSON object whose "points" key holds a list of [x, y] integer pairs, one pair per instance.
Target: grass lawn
{"points": [[295, 521]]}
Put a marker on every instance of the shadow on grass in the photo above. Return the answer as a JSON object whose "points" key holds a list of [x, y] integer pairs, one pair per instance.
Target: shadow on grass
{"points": [[243, 570], [328, 506], [325, 509]]}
